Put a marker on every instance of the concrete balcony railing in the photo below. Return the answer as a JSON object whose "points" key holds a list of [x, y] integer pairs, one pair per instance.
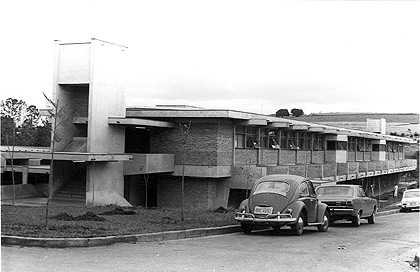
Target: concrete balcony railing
{"points": [[149, 163]]}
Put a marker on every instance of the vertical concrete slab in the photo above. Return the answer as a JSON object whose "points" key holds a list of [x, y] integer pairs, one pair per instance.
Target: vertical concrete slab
{"points": [[105, 183]]}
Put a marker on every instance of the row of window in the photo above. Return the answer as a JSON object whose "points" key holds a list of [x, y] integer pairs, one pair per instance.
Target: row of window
{"points": [[253, 137]]}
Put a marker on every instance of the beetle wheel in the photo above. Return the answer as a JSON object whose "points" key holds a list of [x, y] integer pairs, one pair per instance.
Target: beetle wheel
{"points": [[325, 223], [297, 228]]}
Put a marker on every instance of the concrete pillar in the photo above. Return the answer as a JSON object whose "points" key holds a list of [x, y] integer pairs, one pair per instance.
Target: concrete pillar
{"points": [[25, 172], [105, 184]]}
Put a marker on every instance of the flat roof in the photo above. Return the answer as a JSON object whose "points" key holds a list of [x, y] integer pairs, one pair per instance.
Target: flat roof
{"points": [[247, 118]]}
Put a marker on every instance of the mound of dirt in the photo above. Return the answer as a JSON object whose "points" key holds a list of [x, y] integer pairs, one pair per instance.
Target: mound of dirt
{"points": [[119, 211], [220, 210], [89, 216]]}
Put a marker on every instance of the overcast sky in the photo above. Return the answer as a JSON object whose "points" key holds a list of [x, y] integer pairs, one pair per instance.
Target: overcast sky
{"points": [[256, 56]]}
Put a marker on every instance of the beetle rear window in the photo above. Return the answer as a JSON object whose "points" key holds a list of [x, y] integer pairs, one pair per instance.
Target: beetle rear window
{"points": [[276, 187], [334, 191]]}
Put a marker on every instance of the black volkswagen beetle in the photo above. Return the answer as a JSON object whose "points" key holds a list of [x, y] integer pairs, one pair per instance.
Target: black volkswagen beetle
{"points": [[283, 200]]}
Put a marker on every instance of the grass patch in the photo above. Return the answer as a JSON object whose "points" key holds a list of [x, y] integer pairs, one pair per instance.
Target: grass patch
{"points": [[66, 222]]}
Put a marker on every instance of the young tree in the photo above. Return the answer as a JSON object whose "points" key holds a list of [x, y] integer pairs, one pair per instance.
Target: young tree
{"points": [[185, 130], [59, 116]]}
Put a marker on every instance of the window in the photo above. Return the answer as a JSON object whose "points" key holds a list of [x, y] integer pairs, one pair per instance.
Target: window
{"points": [[351, 144], [361, 192], [246, 137], [288, 139], [307, 141], [263, 138], [275, 187], [317, 141], [273, 139], [392, 146], [361, 144], [341, 145], [331, 145], [291, 140], [283, 139], [303, 189], [336, 145], [368, 145]]}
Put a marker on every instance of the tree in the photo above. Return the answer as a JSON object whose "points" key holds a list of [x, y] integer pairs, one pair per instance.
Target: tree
{"points": [[11, 112], [297, 112], [59, 116], [185, 130], [24, 124], [282, 112]]}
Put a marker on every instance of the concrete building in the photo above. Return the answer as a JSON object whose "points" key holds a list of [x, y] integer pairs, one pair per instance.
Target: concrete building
{"points": [[110, 154]]}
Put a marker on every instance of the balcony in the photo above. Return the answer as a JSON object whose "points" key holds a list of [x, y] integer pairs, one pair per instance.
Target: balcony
{"points": [[149, 163]]}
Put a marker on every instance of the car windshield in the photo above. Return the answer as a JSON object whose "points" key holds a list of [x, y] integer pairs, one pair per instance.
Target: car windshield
{"points": [[412, 194], [334, 191], [276, 187]]}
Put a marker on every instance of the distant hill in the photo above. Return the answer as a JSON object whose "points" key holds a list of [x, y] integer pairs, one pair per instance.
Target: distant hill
{"points": [[402, 123], [409, 118]]}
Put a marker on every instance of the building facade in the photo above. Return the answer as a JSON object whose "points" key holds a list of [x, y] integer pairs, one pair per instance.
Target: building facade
{"points": [[137, 156]]}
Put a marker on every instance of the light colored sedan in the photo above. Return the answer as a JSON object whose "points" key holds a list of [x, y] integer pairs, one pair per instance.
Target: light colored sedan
{"points": [[410, 200], [348, 202]]}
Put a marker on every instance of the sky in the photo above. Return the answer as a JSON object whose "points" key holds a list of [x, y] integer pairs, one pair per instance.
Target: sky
{"points": [[253, 56]]}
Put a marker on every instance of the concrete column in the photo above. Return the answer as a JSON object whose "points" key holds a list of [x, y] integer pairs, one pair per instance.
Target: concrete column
{"points": [[25, 172], [105, 184]]}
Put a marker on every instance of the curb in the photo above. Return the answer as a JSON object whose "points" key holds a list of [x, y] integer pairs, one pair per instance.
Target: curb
{"points": [[134, 238], [109, 240], [387, 212]]}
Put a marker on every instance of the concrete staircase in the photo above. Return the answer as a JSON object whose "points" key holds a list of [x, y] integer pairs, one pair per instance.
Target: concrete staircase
{"points": [[74, 192]]}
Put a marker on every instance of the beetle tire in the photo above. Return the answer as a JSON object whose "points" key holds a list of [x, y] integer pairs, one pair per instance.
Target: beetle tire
{"points": [[356, 220], [297, 228], [325, 223]]}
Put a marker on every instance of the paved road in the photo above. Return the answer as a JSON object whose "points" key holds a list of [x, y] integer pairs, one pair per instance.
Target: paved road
{"points": [[386, 246]]}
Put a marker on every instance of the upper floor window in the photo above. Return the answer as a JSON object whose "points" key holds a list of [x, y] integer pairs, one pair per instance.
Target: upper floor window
{"points": [[273, 138], [351, 144], [361, 144], [303, 140], [318, 141], [336, 145], [246, 137]]}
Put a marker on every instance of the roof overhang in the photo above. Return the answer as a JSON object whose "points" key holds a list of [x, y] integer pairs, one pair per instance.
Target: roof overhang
{"points": [[71, 156], [139, 122]]}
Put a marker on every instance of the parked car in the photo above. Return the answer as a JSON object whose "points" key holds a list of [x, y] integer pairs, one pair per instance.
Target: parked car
{"points": [[410, 200], [348, 202], [283, 200]]}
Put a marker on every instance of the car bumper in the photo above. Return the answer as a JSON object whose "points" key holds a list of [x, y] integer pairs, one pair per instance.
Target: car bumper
{"points": [[269, 220], [338, 212], [408, 206]]}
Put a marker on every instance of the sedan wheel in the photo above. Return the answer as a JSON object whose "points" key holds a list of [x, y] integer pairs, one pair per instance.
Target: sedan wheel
{"points": [[372, 218], [297, 228], [356, 220], [325, 223]]}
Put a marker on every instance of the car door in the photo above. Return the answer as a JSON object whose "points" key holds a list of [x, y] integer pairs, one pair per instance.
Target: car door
{"points": [[308, 197]]}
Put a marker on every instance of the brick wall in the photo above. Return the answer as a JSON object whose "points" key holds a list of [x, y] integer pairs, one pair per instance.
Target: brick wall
{"points": [[199, 193], [208, 143]]}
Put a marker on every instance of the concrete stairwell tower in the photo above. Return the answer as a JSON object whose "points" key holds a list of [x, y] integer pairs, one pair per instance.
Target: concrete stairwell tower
{"points": [[89, 85]]}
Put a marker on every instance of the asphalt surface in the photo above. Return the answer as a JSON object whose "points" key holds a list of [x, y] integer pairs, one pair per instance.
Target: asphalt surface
{"points": [[388, 245]]}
